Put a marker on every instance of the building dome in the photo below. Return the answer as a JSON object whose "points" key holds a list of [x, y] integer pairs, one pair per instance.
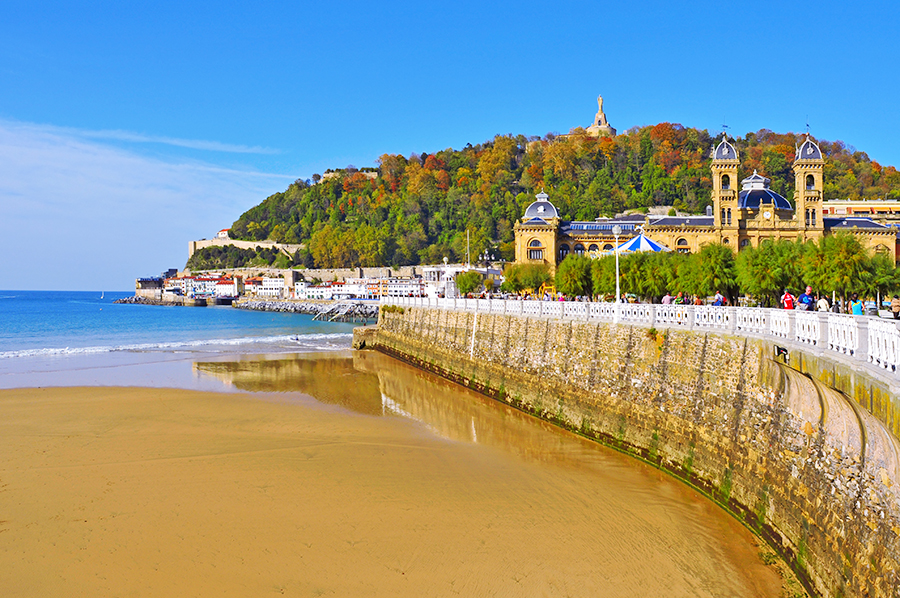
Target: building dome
{"points": [[808, 150], [542, 209], [755, 191], [725, 151]]}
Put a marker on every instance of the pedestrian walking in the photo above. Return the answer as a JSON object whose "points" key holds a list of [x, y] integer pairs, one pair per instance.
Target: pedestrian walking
{"points": [[822, 304], [855, 306], [895, 307], [787, 300], [805, 301]]}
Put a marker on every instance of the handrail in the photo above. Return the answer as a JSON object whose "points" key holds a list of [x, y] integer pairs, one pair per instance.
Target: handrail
{"points": [[862, 338]]}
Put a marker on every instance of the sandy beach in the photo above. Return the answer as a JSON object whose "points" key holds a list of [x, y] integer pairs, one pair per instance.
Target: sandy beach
{"points": [[158, 492]]}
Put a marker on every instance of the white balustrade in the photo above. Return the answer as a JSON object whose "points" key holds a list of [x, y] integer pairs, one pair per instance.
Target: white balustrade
{"points": [[780, 323], [602, 311], [713, 316], [636, 312], [807, 327], [880, 339], [531, 308], [884, 344], [552, 309], [575, 309], [843, 334], [674, 315]]}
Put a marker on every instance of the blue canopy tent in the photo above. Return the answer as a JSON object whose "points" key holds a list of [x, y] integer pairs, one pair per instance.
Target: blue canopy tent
{"points": [[640, 243]]}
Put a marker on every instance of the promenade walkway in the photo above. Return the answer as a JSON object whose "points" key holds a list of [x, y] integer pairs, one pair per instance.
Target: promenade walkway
{"points": [[869, 342]]}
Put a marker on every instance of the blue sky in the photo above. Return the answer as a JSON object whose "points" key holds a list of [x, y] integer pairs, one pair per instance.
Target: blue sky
{"points": [[127, 131]]}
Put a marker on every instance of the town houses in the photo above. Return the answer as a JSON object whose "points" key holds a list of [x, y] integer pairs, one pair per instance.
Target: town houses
{"points": [[224, 287]]}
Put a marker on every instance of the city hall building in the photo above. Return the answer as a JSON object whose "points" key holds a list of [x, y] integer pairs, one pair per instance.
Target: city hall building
{"points": [[742, 215]]}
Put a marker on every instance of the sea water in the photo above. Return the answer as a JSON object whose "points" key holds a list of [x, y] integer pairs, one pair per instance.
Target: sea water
{"points": [[76, 338]]}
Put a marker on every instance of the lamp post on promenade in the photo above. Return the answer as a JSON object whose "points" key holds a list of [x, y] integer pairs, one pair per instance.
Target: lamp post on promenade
{"points": [[445, 277], [616, 231]]}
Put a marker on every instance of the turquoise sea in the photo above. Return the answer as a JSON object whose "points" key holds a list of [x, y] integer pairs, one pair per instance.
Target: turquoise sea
{"points": [[77, 338]]}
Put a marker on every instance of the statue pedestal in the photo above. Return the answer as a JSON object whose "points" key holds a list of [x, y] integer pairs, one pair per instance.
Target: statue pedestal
{"points": [[601, 130]]}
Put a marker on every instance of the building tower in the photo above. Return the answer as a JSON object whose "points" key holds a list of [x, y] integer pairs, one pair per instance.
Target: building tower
{"points": [[808, 188], [536, 234], [725, 164]]}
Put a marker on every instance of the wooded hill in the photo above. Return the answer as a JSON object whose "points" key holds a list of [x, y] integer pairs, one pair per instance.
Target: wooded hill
{"points": [[417, 209]]}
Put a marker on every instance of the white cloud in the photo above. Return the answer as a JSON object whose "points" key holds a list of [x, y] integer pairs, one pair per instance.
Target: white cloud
{"points": [[78, 214], [132, 137]]}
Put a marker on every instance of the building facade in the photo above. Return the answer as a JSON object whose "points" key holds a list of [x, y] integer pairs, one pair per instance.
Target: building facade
{"points": [[742, 215]]}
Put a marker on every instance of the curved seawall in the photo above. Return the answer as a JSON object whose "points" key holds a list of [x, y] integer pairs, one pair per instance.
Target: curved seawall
{"points": [[811, 471]]}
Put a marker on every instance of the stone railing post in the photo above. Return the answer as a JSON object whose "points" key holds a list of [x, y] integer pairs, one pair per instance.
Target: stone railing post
{"points": [[862, 350]]}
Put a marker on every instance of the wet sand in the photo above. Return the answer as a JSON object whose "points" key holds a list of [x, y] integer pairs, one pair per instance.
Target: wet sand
{"points": [[158, 492]]}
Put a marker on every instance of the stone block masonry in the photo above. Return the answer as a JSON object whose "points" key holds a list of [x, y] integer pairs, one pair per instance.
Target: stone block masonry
{"points": [[798, 462]]}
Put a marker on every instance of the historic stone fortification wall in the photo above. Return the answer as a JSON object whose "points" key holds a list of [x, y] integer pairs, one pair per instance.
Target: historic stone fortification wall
{"points": [[324, 274], [800, 463], [195, 246]]}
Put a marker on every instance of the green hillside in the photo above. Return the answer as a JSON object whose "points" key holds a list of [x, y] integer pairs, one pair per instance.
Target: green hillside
{"points": [[417, 209]]}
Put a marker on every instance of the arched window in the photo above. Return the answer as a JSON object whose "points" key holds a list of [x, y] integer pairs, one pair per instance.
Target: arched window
{"points": [[682, 245], [579, 249], [728, 214], [593, 247], [535, 243], [810, 182], [745, 243], [726, 181], [563, 251], [535, 254], [726, 241], [608, 247]]}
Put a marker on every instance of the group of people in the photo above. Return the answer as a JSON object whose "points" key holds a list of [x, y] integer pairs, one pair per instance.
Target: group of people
{"points": [[682, 299], [807, 301]]}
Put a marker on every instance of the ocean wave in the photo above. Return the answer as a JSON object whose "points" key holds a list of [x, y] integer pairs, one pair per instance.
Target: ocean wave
{"points": [[283, 342]]}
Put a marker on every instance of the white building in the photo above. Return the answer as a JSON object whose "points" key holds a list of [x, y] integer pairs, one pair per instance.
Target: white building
{"points": [[354, 288], [229, 287], [272, 287], [322, 291], [402, 287]]}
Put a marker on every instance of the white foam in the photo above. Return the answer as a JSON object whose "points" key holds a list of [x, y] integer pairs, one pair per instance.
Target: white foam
{"points": [[323, 341]]}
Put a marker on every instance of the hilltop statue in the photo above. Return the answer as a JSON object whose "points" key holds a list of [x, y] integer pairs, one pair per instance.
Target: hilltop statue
{"points": [[600, 119], [601, 125]]}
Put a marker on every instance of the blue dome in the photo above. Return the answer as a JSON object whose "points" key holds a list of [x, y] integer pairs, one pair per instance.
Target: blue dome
{"points": [[808, 150], [542, 209], [725, 151], [755, 192]]}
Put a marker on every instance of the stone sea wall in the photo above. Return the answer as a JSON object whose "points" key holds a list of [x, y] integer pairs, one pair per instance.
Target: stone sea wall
{"points": [[808, 469]]}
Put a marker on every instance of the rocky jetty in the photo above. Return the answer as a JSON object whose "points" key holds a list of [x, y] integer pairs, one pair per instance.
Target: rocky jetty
{"points": [[343, 311], [142, 301]]}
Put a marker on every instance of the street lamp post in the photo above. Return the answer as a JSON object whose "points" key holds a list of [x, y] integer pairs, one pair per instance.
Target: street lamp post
{"points": [[445, 277], [616, 231]]}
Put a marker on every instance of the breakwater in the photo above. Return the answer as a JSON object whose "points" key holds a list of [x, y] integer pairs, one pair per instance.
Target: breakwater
{"points": [[345, 311], [804, 465]]}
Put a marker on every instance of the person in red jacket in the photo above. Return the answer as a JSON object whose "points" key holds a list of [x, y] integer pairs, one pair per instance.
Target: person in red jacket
{"points": [[787, 300]]}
